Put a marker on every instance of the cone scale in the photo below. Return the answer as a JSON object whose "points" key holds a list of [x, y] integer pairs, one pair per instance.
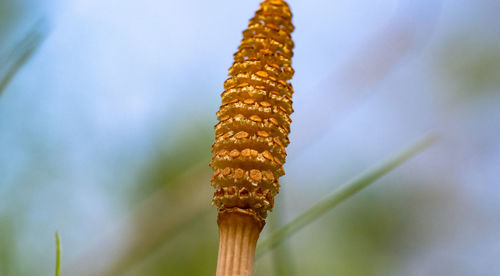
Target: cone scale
{"points": [[251, 135]]}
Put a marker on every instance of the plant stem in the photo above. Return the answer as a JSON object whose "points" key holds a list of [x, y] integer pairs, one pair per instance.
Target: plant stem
{"points": [[239, 231]]}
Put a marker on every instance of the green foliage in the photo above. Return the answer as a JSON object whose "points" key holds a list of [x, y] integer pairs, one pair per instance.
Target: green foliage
{"points": [[8, 262], [173, 158], [471, 69]]}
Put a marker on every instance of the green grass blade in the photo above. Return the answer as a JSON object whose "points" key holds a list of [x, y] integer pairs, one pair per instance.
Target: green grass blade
{"points": [[282, 260], [344, 192], [22, 52], [58, 255]]}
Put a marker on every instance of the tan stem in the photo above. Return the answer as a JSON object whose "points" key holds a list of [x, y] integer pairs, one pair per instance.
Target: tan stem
{"points": [[239, 231]]}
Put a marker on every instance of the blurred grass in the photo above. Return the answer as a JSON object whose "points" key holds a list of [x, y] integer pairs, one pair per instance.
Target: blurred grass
{"points": [[344, 192], [283, 262], [21, 53], [58, 255]]}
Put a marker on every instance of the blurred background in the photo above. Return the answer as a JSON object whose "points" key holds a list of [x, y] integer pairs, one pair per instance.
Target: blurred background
{"points": [[106, 116]]}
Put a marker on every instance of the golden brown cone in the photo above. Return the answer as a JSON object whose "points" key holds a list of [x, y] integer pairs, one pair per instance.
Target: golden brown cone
{"points": [[251, 135], [254, 118]]}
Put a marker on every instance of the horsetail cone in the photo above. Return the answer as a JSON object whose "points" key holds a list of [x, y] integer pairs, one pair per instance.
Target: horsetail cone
{"points": [[251, 135], [254, 118]]}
